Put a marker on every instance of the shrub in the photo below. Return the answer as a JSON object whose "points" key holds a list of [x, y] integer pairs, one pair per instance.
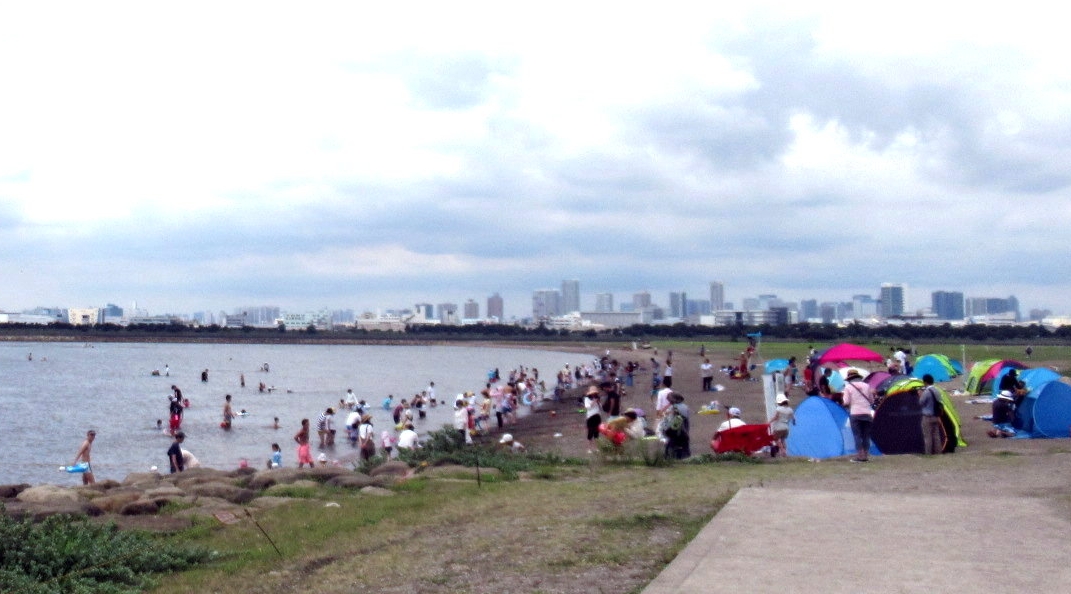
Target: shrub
{"points": [[61, 555]]}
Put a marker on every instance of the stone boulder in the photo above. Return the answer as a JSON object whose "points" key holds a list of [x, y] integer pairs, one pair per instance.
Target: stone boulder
{"points": [[113, 503], [351, 481], [164, 491], [322, 474], [222, 490], [298, 484], [10, 491], [142, 479], [47, 494], [392, 468], [141, 507]]}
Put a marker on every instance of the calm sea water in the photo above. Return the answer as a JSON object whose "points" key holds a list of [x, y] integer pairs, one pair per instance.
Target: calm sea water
{"points": [[48, 403]]}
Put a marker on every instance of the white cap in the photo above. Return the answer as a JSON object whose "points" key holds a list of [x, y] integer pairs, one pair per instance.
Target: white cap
{"points": [[506, 438], [734, 412]]}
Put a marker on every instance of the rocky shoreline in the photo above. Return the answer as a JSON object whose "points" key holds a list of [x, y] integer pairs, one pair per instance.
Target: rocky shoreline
{"points": [[137, 501]]}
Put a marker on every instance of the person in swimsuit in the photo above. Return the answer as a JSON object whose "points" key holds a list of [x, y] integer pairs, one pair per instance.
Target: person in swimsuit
{"points": [[83, 455], [304, 451]]}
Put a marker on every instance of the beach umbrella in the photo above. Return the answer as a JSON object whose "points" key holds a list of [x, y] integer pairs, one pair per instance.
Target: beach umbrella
{"points": [[776, 365]]}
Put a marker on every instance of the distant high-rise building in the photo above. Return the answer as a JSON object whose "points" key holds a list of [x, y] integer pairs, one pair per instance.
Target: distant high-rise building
{"points": [[893, 298], [426, 310], [546, 303], [495, 307], [641, 300], [981, 306], [678, 305], [570, 296], [808, 309], [717, 296], [698, 307], [604, 302], [864, 307], [447, 313], [948, 305], [472, 310]]}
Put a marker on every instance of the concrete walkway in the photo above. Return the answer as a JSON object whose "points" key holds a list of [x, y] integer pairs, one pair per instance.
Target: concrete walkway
{"points": [[815, 541]]}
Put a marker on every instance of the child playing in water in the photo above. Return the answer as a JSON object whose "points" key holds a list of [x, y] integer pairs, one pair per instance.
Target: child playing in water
{"points": [[276, 456]]}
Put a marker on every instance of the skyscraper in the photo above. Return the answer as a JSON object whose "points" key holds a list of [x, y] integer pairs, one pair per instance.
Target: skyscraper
{"points": [[641, 300], [495, 307], [678, 305], [717, 296], [546, 303], [947, 305], [472, 310], [570, 296], [604, 302], [893, 297]]}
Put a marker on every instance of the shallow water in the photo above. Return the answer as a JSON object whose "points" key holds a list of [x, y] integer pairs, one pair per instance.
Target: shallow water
{"points": [[48, 403]]}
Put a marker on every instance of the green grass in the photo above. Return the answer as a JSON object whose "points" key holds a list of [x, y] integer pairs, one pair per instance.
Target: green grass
{"points": [[521, 528]]}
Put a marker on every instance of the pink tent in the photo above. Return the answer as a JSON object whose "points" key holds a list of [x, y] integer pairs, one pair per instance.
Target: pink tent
{"points": [[848, 352], [877, 377], [997, 367]]}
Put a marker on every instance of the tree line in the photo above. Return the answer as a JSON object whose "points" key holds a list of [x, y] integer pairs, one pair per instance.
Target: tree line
{"points": [[804, 332]]}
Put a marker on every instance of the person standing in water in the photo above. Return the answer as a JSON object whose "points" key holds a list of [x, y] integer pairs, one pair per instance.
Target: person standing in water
{"points": [[304, 453], [83, 455], [228, 412]]}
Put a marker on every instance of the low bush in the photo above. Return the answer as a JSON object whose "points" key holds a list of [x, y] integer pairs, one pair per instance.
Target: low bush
{"points": [[61, 555]]}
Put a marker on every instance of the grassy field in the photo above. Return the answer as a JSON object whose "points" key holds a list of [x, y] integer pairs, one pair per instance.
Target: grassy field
{"points": [[554, 530]]}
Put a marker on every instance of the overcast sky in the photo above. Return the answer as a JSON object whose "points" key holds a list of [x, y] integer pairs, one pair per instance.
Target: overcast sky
{"points": [[207, 156]]}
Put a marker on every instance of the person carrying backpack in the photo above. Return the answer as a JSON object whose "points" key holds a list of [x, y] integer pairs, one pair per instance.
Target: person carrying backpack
{"points": [[930, 403]]}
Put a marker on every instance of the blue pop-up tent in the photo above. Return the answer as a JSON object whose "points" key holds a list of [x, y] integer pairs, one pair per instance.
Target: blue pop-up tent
{"points": [[1045, 412], [821, 430]]}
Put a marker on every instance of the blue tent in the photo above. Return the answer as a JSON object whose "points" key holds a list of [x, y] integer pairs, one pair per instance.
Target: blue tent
{"points": [[1045, 412], [1034, 378], [941, 370], [821, 430]]}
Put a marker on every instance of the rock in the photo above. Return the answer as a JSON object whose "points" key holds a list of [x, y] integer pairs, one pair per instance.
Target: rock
{"points": [[285, 488], [47, 494], [141, 507], [40, 511], [351, 481], [142, 479], [392, 468], [238, 473], [164, 491], [377, 491], [112, 503], [10, 491], [324, 473], [225, 491], [99, 487]]}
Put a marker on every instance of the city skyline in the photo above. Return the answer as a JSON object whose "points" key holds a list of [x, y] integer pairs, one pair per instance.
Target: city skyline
{"points": [[550, 303], [369, 157]]}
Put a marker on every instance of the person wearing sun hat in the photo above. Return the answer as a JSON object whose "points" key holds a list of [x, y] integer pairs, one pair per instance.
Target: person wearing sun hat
{"points": [[858, 398], [593, 412], [1003, 415], [783, 415]]}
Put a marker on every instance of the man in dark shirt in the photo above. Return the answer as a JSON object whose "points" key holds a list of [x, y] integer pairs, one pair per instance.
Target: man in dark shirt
{"points": [[174, 453]]}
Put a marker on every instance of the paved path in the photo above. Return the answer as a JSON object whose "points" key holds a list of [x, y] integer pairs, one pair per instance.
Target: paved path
{"points": [[815, 541]]}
